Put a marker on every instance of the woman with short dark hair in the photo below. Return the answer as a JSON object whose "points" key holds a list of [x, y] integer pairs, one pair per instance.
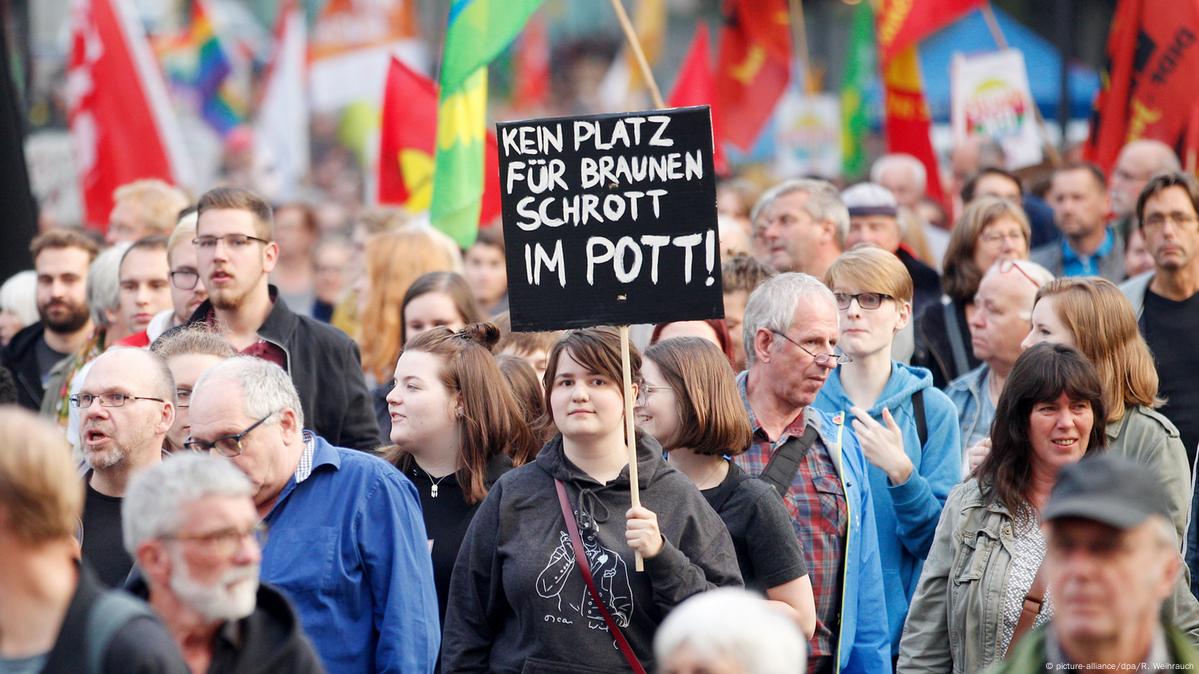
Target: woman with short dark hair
{"points": [[988, 549]]}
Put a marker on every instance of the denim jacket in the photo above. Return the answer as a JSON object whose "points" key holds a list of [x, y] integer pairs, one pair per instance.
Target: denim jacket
{"points": [[956, 615]]}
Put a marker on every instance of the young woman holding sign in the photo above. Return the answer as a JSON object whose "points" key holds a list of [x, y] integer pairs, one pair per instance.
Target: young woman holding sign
{"points": [[544, 581], [689, 403]]}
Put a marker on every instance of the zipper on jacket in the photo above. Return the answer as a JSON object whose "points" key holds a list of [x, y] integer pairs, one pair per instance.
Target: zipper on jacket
{"points": [[840, 421]]}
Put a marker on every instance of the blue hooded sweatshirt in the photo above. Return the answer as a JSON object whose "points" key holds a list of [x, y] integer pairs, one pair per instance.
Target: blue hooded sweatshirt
{"points": [[907, 514]]}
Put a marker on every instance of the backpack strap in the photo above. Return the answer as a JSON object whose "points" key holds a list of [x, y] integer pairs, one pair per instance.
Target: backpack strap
{"points": [[953, 330], [112, 611], [921, 420], [783, 466]]}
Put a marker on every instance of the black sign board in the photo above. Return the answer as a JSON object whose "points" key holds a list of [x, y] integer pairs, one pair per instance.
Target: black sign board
{"points": [[610, 219]]}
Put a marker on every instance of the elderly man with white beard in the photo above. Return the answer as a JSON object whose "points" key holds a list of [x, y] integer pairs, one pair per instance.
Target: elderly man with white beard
{"points": [[191, 524]]}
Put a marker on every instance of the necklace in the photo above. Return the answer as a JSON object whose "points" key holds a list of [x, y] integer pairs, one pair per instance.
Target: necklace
{"points": [[432, 483]]}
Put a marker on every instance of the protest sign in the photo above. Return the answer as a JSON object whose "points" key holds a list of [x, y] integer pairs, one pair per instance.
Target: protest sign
{"points": [[610, 219], [991, 98], [807, 135]]}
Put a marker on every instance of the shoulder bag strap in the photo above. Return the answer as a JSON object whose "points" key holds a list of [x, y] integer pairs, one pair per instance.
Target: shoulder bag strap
{"points": [[953, 329], [780, 472], [921, 420], [576, 541], [1031, 608]]}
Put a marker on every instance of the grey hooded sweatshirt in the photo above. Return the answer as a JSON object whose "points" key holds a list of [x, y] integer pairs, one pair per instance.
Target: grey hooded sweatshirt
{"points": [[517, 601]]}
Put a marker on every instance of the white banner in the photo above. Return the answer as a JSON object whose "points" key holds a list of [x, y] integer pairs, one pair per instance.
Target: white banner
{"points": [[991, 98], [807, 135]]}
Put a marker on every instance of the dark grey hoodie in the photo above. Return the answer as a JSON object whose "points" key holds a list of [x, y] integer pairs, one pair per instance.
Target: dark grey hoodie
{"points": [[517, 602]]}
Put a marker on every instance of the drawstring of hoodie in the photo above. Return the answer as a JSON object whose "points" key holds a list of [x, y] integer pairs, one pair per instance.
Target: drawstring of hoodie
{"points": [[592, 511]]}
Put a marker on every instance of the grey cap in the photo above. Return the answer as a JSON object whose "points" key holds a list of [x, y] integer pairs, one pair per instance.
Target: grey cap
{"points": [[1107, 489], [870, 199]]}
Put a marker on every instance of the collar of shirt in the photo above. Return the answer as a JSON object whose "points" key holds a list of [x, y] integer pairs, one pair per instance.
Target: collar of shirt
{"points": [[1157, 658], [1070, 257], [304, 468]]}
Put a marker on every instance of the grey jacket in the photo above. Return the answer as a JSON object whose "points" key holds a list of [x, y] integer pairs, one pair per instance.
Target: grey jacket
{"points": [[955, 618], [1111, 266], [1149, 438], [1134, 289]]}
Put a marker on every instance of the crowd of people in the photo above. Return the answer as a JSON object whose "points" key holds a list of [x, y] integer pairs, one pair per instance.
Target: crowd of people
{"points": [[923, 438]]}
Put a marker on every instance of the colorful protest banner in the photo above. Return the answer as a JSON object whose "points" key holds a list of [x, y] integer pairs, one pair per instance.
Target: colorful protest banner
{"points": [[991, 98], [610, 219], [807, 135]]}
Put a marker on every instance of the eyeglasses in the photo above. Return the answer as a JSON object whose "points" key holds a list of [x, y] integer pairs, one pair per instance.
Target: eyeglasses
{"points": [[183, 397], [1007, 264], [997, 237], [184, 280], [822, 359], [646, 391], [865, 300], [114, 399], [225, 542], [235, 241], [228, 446], [1180, 219]]}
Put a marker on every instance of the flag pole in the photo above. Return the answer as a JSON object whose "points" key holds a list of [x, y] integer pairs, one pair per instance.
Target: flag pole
{"points": [[642, 63], [799, 36], [1055, 158], [625, 358]]}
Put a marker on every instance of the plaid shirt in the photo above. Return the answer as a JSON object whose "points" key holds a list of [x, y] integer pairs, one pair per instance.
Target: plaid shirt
{"points": [[820, 515]]}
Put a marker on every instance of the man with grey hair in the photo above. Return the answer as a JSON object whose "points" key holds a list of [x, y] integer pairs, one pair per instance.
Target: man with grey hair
{"points": [[902, 174], [799, 226], [126, 406], [729, 630], [1001, 320], [815, 462], [1137, 162], [191, 524], [1111, 563], [348, 544]]}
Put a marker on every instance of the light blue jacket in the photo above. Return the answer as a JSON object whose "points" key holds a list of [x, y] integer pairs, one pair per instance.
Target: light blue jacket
{"points": [[906, 514], [863, 645], [974, 414]]}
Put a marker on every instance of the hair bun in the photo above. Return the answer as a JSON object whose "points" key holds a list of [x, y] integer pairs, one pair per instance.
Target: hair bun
{"points": [[485, 335]]}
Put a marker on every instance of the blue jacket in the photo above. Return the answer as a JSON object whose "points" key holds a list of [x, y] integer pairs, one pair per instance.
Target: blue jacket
{"points": [[863, 646], [348, 547], [907, 514], [974, 413]]}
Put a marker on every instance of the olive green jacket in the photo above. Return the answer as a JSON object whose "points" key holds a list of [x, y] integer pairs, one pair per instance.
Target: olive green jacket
{"points": [[1149, 438], [1030, 657], [955, 618]]}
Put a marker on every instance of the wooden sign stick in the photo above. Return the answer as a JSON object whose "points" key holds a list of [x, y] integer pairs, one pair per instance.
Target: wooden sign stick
{"points": [[630, 434]]}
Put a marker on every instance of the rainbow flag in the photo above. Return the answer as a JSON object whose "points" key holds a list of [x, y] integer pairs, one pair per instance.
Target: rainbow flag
{"points": [[196, 61]]}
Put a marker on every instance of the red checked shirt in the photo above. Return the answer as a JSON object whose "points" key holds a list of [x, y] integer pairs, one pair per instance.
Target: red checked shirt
{"points": [[819, 513]]}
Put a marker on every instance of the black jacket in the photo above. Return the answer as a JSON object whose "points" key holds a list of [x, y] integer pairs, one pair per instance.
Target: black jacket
{"points": [[20, 357], [268, 640], [934, 348], [142, 646], [326, 368], [926, 282], [517, 602]]}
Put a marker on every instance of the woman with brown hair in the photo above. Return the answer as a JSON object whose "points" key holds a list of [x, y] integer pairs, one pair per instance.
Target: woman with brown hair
{"points": [[988, 547], [989, 229], [689, 403], [544, 580], [456, 428], [1093, 316], [394, 260]]}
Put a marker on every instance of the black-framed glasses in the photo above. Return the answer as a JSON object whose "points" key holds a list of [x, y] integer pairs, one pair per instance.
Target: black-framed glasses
{"points": [[225, 542], [113, 399], [837, 357], [227, 446], [869, 301], [236, 241], [184, 279], [1007, 264]]}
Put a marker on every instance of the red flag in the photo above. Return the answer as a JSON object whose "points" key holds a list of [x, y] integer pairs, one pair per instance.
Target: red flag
{"points": [[907, 119], [409, 130], [1152, 81], [903, 23], [532, 65], [753, 68], [122, 125], [697, 86]]}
